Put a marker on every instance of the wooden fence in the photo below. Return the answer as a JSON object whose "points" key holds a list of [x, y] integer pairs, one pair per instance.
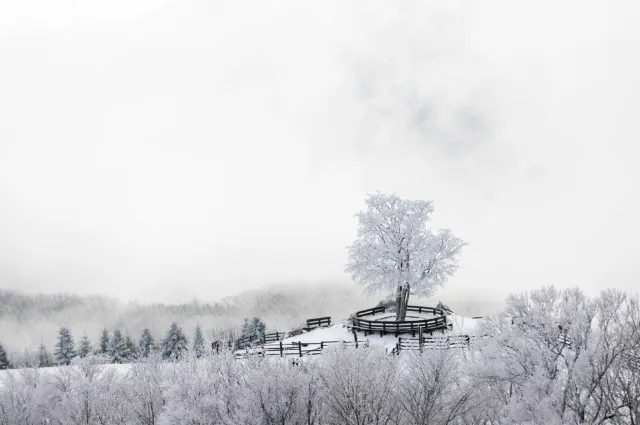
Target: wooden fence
{"points": [[247, 341], [318, 322], [400, 327], [436, 343], [299, 349]]}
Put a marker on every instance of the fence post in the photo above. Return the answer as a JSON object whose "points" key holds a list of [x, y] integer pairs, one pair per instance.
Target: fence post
{"points": [[321, 345], [281, 349], [300, 348], [355, 337], [421, 337]]}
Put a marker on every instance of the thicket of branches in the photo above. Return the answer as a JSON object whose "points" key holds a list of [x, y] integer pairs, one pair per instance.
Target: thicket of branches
{"points": [[552, 357]]}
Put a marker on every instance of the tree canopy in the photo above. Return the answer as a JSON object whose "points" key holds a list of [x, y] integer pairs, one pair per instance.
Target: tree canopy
{"points": [[396, 252]]}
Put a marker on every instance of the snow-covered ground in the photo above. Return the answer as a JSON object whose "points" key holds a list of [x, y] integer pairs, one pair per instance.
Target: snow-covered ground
{"points": [[122, 369], [339, 332]]}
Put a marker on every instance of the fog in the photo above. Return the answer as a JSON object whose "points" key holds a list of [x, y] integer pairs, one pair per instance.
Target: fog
{"points": [[162, 151], [28, 320]]}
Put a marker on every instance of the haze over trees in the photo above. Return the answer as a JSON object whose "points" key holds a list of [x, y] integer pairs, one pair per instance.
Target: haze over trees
{"points": [[85, 346], [396, 253], [29, 319], [146, 345], [550, 357], [4, 360]]}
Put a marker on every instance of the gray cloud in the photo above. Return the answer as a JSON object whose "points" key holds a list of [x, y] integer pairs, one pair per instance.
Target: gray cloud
{"points": [[162, 150]]}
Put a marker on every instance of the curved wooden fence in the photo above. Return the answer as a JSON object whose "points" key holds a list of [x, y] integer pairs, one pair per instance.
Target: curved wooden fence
{"points": [[400, 327], [250, 340]]}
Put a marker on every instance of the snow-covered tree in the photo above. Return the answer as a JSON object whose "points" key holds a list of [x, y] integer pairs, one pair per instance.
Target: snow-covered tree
{"points": [[104, 343], [65, 348], [253, 327], [145, 397], [198, 342], [359, 387], [146, 345], [131, 348], [175, 342], [4, 360], [555, 357], [85, 347], [395, 252], [44, 358], [117, 349]]}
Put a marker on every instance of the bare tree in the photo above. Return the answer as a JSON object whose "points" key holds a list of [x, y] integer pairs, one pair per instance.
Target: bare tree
{"points": [[359, 387]]}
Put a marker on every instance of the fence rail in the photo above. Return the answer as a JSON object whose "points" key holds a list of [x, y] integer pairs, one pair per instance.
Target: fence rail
{"points": [[247, 341], [399, 327], [437, 342], [318, 322], [299, 349]]}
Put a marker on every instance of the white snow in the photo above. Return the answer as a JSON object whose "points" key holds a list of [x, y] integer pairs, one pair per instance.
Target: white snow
{"points": [[339, 332]]}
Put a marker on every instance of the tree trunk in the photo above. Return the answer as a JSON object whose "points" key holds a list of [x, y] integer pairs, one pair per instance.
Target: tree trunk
{"points": [[402, 301]]}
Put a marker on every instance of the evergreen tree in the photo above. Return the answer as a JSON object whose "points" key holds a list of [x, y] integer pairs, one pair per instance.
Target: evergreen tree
{"points": [[85, 347], [131, 348], [198, 342], [44, 358], [65, 348], [146, 344], [175, 342], [104, 342], [254, 327], [246, 329], [259, 326], [4, 361], [117, 350]]}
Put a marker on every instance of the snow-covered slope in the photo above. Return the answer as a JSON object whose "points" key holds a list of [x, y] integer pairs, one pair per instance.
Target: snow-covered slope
{"points": [[339, 332]]}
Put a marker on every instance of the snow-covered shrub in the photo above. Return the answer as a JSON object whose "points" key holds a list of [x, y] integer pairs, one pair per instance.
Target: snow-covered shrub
{"points": [[359, 386]]}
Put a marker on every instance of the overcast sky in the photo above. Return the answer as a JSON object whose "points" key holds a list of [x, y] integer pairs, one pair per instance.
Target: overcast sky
{"points": [[164, 150]]}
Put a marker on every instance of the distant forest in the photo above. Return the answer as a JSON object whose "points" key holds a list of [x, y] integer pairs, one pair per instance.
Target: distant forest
{"points": [[28, 320]]}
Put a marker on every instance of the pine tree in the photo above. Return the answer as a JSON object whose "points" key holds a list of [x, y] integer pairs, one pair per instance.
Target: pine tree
{"points": [[85, 347], [4, 361], [146, 344], [198, 342], [247, 329], [259, 326], [117, 350], [254, 327], [131, 348], [65, 348], [44, 359], [104, 342], [175, 343]]}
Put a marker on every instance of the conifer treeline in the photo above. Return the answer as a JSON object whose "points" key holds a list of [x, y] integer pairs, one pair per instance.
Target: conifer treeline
{"points": [[118, 347], [115, 347]]}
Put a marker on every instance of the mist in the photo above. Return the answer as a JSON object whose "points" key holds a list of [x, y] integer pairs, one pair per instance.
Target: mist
{"points": [[28, 320], [161, 151]]}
